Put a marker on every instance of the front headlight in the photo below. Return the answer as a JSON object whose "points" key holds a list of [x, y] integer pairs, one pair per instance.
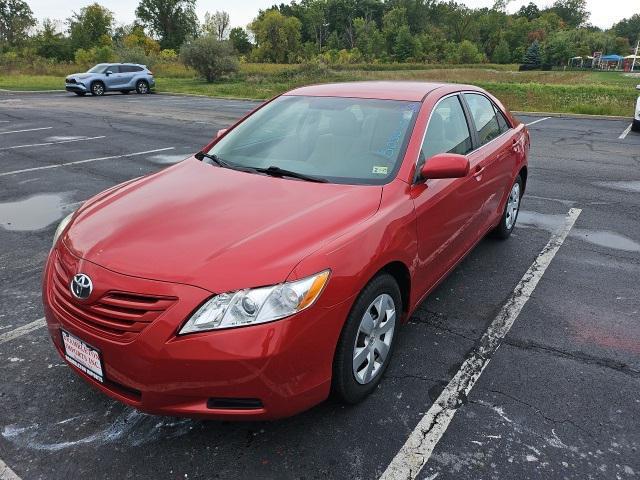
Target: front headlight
{"points": [[257, 305], [61, 226]]}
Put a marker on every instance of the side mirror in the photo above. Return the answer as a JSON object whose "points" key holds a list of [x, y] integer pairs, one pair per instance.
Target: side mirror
{"points": [[221, 132], [108, 72], [445, 165]]}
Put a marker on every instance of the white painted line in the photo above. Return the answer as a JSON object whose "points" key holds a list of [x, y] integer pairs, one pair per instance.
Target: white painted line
{"points": [[537, 121], [26, 130], [624, 134], [4, 121], [78, 162], [6, 473], [23, 330], [416, 451], [53, 143]]}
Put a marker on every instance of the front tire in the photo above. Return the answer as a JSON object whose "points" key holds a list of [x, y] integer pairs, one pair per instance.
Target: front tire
{"points": [[367, 340], [635, 126], [97, 89], [511, 210], [142, 87]]}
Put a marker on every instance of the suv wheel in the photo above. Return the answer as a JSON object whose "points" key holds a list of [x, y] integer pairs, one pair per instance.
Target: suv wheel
{"points": [[635, 126], [97, 89], [142, 87]]}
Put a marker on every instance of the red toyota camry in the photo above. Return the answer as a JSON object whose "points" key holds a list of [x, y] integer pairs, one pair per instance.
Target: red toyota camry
{"points": [[276, 265]]}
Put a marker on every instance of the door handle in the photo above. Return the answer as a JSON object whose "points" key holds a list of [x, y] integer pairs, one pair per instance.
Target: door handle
{"points": [[479, 169]]}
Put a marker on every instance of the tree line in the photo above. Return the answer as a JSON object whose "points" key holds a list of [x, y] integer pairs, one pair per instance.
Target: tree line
{"points": [[332, 31]]}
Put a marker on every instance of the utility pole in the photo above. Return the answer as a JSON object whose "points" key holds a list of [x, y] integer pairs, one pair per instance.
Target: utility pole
{"points": [[635, 55]]}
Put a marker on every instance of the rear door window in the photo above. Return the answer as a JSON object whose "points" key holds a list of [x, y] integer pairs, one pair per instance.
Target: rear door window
{"points": [[114, 68], [484, 116]]}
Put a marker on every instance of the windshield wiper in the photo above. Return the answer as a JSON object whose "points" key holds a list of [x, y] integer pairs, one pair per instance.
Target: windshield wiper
{"points": [[281, 172], [221, 163]]}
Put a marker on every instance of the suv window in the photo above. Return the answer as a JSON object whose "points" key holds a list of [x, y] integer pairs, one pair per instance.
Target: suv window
{"points": [[448, 131], [484, 117], [114, 68], [130, 68]]}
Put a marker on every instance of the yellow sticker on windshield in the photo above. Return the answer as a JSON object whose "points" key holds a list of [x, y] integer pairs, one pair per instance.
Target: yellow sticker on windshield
{"points": [[380, 170]]}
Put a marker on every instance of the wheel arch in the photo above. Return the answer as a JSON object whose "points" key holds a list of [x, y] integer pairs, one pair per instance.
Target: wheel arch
{"points": [[400, 272]]}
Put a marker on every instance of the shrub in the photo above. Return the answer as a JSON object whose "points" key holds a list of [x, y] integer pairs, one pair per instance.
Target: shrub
{"points": [[210, 57]]}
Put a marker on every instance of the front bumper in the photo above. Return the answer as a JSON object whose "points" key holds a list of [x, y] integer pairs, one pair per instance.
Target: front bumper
{"points": [[75, 87], [285, 365]]}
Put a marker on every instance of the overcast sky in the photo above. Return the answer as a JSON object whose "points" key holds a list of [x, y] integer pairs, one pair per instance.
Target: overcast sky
{"points": [[604, 13]]}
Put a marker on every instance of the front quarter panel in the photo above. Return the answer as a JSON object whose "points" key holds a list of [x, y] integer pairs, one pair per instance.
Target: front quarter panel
{"points": [[355, 257]]}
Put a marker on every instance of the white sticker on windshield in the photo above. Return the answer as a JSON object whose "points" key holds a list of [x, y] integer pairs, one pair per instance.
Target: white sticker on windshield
{"points": [[380, 170]]}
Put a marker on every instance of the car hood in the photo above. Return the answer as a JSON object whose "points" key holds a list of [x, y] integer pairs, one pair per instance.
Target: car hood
{"points": [[81, 76], [214, 228]]}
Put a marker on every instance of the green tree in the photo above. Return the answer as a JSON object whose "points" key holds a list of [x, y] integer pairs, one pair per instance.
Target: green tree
{"points": [[91, 27], [502, 54], [16, 18], [405, 45], [629, 28], [50, 43], [210, 57], [240, 40], [533, 56], [573, 12], [277, 37], [172, 21], [369, 38], [530, 11], [468, 52]]}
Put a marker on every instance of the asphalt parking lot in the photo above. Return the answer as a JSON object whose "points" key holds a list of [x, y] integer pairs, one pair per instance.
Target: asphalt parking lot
{"points": [[559, 399]]}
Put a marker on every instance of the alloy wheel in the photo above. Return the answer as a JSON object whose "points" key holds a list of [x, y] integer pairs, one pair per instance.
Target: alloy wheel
{"points": [[513, 205], [373, 339]]}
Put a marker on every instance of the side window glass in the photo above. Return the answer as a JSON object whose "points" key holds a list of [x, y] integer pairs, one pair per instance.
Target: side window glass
{"points": [[502, 122], [484, 117], [114, 68], [447, 131], [126, 69]]}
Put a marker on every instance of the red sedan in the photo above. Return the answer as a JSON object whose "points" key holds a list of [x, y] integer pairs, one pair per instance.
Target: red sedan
{"points": [[276, 265]]}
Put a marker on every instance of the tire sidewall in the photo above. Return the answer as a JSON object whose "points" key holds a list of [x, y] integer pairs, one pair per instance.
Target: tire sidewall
{"points": [[502, 231], [344, 384]]}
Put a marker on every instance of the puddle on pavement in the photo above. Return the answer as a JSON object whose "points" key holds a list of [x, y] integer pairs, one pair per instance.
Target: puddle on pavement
{"points": [[35, 212], [602, 238], [630, 186], [168, 159]]}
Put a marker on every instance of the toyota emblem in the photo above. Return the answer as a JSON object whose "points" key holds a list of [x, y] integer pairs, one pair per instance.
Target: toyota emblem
{"points": [[81, 286]]}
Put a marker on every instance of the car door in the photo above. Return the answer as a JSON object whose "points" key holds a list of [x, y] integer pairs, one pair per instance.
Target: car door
{"points": [[112, 79], [126, 75], [494, 158], [447, 210]]}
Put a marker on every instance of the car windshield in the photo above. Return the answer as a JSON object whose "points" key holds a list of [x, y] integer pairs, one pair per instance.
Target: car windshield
{"points": [[100, 68], [340, 140]]}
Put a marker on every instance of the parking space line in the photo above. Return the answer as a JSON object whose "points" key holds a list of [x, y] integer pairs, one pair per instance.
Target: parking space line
{"points": [[23, 330], [417, 450], [26, 130], [537, 121], [6, 473], [53, 143], [78, 162], [624, 134]]}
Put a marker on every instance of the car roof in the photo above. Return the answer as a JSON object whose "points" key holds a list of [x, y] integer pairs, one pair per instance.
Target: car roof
{"points": [[383, 90]]}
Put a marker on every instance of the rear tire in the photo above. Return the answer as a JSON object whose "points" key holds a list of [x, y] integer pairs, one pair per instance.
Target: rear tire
{"points": [[367, 340], [511, 210], [635, 126], [142, 87], [97, 89]]}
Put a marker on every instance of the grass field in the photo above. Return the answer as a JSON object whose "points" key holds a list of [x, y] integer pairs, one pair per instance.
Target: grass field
{"points": [[597, 93]]}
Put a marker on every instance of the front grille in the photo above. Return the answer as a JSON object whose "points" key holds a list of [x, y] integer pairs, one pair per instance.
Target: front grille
{"points": [[118, 315], [70, 80]]}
